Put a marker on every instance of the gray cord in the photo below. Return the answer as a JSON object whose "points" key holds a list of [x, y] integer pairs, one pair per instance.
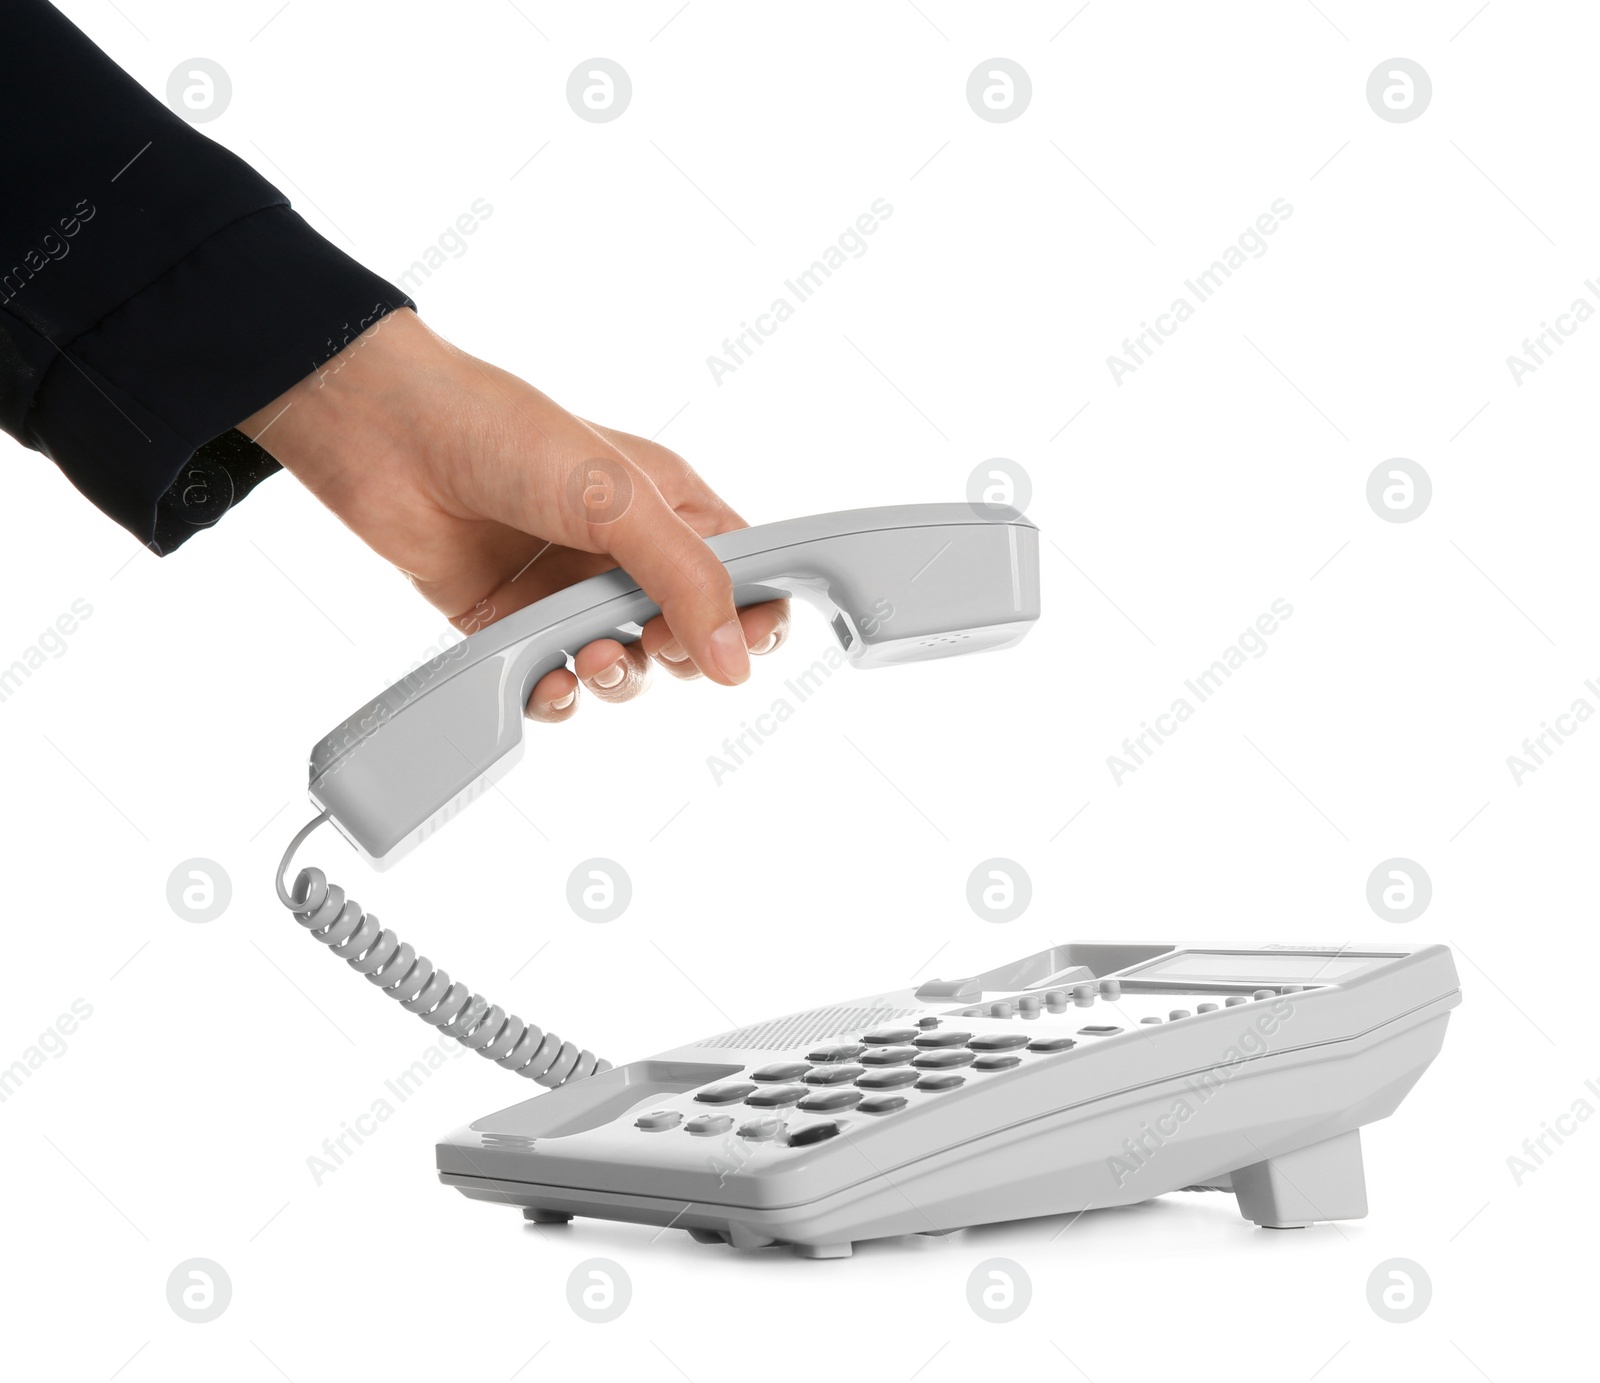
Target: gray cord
{"points": [[411, 980]]}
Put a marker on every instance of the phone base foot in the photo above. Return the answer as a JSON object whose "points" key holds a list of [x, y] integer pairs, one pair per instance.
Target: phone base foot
{"points": [[545, 1217], [824, 1250], [1324, 1181]]}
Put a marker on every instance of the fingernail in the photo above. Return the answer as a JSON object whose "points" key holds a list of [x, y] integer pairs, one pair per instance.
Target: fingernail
{"points": [[565, 701], [672, 651], [727, 648], [612, 676], [767, 644]]}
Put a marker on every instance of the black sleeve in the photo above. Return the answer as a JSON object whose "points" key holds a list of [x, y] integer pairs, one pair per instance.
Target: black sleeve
{"points": [[154, 289]]}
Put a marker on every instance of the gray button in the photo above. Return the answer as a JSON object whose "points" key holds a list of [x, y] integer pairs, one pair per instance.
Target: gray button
{"points": [[658, 1119], [929, 1022], [813, 1133], [776, 1096], [1098, 1030], [1054, 1044], [1234, 1000], [1111, 989], [946, 1037], [760, 1130], [888, 1056], [881, 1104], [724, 1094], [945, 1059], [832, 1075], [781, 1070], [1156, 1018], [1083, 995], [1264, 994], [704, 1124], [1029, 1004], [892, 1079], [1177, 1013], [996, 1061], [1056, 998], [998, 1041], [827, 1101], [888, 1037], [844, 1051], [941, 1080], [1000, 1009], [1206, 1008]]}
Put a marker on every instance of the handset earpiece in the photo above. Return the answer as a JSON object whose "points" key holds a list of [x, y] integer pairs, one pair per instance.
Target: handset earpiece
{"points": [[895, 584]]}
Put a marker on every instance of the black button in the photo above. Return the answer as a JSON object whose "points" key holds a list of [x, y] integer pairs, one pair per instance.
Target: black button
{"points": [[888, 1056], [888, 1037], [846, 1051], [941, 1080], [832, 1075], [826, 1101], [776, 1096], [1056, 1044], [892, 1079], [947, 1059], [881, 1104], [781, 1070], [813, 1133], [945, 1037], [996, 1061], [724, 1094], [998, 1041], [1099, 1030]]}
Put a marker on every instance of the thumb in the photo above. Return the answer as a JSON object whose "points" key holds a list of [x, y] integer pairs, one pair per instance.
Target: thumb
{"points": [[630, 520]]}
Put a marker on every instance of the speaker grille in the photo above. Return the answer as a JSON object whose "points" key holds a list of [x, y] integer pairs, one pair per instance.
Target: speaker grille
{"points": [[798, 1028]]}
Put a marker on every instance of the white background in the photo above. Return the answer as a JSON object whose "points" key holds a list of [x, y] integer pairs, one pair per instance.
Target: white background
{"points": [[1228, 472]]}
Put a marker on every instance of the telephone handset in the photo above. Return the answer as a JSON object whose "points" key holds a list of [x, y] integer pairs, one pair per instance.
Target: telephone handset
{"points": [[896, 585]]}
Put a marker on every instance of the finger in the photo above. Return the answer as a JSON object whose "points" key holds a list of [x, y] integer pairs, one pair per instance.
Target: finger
{"points": [[660, 643], [554, 699], [765, 626], [682, 575], [613, 671]]}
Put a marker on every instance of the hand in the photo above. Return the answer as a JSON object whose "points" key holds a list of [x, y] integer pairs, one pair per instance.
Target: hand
{"points": [[489, 496]]}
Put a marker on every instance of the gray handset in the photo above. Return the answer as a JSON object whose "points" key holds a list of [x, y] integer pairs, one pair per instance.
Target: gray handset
{"points": [[896, 585]]}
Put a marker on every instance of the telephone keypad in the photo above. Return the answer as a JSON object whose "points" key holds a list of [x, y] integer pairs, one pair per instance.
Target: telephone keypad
{"points": [[998, 1041], [761, 1130], [996, 1061], [882, 1104], [889, 1037], [943, 1059], [724, 1094], [775, 1097], [781, 1071], [1056, 1044], [888, 1056], [704, 1124], [832, 1075], [941, 1080], [844, 1051], [944, 1037], [826, 1101], [891, 1079]]}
